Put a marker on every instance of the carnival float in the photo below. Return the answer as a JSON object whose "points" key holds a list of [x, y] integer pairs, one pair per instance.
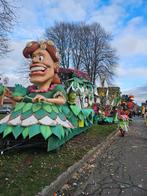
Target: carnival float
{"points": [[47, 111]]}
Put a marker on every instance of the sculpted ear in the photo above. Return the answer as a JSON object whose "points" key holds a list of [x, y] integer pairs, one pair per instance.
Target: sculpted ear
{"points": [[56, 67]]}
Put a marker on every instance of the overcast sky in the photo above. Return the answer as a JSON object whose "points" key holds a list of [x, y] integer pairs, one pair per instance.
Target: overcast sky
{"points": [[126, 20]]}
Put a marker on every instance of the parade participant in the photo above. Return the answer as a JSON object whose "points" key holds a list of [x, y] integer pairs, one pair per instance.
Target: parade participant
{"points": [[145, 117], [123, 121], [143, 111]]}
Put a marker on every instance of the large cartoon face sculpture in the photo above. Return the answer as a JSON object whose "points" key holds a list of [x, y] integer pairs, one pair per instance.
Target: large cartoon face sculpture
{"points": [[42, 67], [44, 61]]}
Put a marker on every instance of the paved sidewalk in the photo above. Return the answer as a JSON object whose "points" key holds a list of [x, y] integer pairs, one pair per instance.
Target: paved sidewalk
{"points": [[121, 170]]}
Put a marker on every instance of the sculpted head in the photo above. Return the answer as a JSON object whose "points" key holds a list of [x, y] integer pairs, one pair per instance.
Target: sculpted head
{"points": [[44, 62]]}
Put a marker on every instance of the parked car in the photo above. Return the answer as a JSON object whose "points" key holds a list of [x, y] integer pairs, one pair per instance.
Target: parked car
{"points": [[5, 109]]}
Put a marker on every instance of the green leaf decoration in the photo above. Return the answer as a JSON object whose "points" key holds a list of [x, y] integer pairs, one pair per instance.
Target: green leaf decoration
{"points": [[86, 123], [70, 115], [53, 115], [47, 107], [2, 89], [62, 116], [26, 114], [19, 106], [65, 110], [34, 130], [14, 114], [45, 131], [62, 132], [55, 109], [87, 112], [27, 107], [60, 108], [81, 117], [40, 114], [75, 85], [25, 132], [27, 99], [76, 110], [7, 131], [74, 121], [19, 90], [57, 130], [36, 107], [17, 131], [67, 132], [78, 80], [2, 127]]}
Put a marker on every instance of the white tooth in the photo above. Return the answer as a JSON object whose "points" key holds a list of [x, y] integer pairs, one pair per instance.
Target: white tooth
{"points": [[37, 68]]}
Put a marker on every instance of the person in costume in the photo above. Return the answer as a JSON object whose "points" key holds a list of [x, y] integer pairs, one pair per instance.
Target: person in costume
{"points": [[123, 121], [145, 117], [41, 108]]}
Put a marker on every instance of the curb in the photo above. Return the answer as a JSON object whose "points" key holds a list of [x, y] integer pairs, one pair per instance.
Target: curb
{"points": [[66, 176]]}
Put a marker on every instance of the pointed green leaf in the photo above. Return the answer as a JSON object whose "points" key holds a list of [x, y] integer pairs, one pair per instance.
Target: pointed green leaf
{"points": [[2, 127], [87, 112], [17, 131], [25, 132], [40, 114], [70, 115], [45, 131], [55, 109], [26, 114], [36, 107], [57, 130], [53, 115], [60, 108], [7, 131], [19, 106], [34, 130], [14, 114], [74, 121], [81, 117], [47, 107], [76, 110], [27, 107], [65, 110], [86, 123], [62, 116]]}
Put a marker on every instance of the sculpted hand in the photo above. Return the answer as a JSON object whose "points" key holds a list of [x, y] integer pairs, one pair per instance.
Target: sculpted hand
{"points": [[38, 98]]}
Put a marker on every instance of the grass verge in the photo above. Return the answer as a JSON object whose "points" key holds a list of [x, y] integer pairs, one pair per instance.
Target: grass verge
{"points": [[27, 171]]}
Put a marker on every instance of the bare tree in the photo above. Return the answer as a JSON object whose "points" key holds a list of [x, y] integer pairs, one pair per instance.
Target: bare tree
{"points": [[77, 45], [61, 35], [7, 18], [99, 58], [85, 47]]}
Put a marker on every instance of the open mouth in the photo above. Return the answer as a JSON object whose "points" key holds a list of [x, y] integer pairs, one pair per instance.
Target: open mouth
{"points": [[37, 69]]}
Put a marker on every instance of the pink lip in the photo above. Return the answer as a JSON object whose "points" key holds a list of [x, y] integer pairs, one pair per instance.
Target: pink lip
{"points": [[40, 73]]}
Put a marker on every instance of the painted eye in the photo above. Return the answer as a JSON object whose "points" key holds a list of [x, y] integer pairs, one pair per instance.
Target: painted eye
{"points": [[41, 58]]}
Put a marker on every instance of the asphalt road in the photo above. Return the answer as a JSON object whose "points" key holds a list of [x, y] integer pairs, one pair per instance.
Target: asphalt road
{"points": [[121, 170]]}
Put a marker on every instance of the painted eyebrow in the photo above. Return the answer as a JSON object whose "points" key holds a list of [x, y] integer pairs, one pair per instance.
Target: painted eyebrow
{"points": [[39, 53]]}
